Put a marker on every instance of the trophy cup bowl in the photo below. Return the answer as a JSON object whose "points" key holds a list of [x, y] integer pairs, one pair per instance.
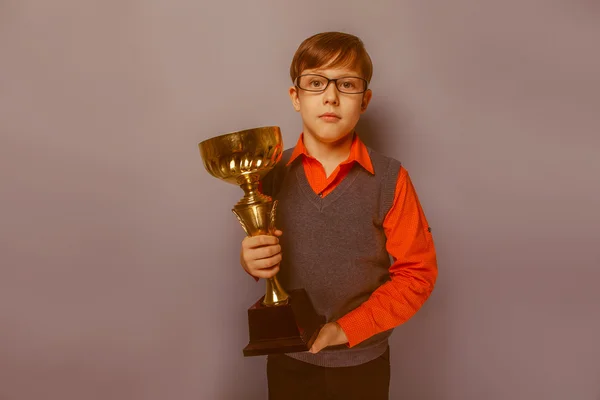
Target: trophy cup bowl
{"points": [[278, 322], [251, 152]]}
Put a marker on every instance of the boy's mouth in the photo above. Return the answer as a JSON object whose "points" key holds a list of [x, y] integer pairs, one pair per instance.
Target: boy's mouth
{"points": [[330, 117]]}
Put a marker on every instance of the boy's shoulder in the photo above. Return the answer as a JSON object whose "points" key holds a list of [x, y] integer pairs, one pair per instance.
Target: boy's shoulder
{"points": [[287, 154], [381, 161]]}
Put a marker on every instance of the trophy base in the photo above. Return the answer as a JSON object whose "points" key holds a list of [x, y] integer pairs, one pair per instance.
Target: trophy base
{"points": [[288, 328]]}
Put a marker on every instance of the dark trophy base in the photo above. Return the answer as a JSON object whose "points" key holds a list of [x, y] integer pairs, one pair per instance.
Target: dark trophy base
{"points": [[283, 329]]}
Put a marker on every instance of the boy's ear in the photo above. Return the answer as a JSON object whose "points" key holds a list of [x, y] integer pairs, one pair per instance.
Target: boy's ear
{"points": [[294, 97], [366, 100]]}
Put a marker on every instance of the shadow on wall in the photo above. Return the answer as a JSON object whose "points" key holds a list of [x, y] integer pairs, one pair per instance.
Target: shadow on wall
{"points": [[418, 348]]}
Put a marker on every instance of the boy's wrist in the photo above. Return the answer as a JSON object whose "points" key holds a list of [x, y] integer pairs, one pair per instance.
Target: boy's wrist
{"points": [[342, 334]]}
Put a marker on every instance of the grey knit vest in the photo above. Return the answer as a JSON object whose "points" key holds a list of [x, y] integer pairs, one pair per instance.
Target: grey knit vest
{"points": [[334, 247]]}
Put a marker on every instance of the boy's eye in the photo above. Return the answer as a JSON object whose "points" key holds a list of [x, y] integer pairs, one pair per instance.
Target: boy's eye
{"points": [[348, 85], [316, 84]]}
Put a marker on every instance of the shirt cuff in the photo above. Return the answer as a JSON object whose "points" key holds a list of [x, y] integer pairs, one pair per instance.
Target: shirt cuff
{"points": [[356, 325]]}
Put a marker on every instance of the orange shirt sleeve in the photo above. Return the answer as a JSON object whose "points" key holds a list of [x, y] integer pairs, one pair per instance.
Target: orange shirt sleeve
{"points": [[413, 272]]}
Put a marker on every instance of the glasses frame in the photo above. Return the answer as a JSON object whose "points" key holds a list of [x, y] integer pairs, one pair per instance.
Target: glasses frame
{"points": [[329, 81]]}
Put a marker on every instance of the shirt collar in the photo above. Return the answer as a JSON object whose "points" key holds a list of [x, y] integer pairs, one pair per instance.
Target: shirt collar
{"points": [[358, 153]]}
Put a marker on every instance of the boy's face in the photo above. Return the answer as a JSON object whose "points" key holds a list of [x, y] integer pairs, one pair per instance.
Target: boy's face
{"points": [[330, 115]]}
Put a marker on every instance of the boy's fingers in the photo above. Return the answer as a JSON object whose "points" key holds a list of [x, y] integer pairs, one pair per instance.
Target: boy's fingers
{"points": [[266, 273], [320, 342], [267, 263], [330, 335], [266, 252], [254, 264], [252, 242]]}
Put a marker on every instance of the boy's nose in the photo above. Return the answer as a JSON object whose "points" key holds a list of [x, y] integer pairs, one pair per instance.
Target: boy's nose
{"points": [[330, 96]]}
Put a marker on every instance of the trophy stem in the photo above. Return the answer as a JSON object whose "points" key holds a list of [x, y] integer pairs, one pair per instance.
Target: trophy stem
{"points": [[275, 294], [249, 184]]}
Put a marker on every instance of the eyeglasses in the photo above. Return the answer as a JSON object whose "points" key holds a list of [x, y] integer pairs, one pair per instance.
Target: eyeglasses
{"points": [[319, 83]]}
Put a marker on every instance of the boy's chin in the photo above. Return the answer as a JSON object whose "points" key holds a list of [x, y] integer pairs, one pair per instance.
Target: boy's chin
{"points": [[331, 135]]}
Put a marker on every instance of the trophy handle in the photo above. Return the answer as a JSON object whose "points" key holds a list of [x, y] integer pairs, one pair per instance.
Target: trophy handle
{"points": [[272, 222], [242, 222]]}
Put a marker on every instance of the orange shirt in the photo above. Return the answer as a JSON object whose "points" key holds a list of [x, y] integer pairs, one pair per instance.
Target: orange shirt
{"points": [[409, 242]]}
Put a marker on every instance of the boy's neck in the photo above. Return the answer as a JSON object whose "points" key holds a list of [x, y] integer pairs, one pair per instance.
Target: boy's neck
{"points": [[330, 155]]}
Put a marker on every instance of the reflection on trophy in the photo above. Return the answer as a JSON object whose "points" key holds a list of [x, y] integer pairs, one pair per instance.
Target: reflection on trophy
{"points": [[278, 322]]}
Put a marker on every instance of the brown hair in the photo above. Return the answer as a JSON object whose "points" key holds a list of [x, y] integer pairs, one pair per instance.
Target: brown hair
{"points": [[331, 49]]}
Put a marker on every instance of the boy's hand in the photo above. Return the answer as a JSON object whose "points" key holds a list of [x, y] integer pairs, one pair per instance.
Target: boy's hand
{"points": [[261, 255], [330, 335]]}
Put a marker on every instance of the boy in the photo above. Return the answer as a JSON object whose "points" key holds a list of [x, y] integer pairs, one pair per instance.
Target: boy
{"points": [[345, 210]]}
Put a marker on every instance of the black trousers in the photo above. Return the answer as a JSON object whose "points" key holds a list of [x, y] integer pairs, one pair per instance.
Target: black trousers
{"points": [[290, 379]]}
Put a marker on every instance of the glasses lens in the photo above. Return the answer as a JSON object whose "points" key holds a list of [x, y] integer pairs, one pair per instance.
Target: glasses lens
{"points": [[314, 83], [351, 85]]}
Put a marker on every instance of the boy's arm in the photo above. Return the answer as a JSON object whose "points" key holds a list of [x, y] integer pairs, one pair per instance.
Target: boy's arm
{"points": [[413, 273]]}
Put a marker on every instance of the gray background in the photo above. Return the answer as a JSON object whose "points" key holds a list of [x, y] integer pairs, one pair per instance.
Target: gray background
{"points": [[119, 270]]}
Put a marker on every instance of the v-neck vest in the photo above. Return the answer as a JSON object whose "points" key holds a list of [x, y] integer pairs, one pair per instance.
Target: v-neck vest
{"points": [[335, 246]]}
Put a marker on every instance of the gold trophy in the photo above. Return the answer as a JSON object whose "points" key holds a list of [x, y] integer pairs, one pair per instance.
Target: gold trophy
{"points": [[278, 322]]}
